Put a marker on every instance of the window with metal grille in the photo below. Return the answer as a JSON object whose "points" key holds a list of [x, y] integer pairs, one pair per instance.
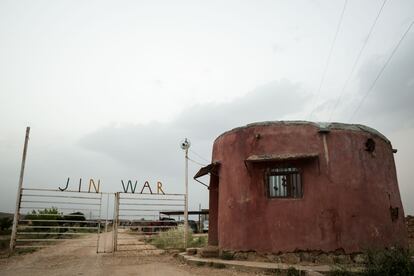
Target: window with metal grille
{"points": [[284, 182]]}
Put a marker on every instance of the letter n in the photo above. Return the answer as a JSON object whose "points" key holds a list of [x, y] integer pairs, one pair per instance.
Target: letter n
{"points": [[92, 183]]}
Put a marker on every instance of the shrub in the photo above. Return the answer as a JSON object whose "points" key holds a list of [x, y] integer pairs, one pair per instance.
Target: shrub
{"points": [[340, 271], [394, 261], [200, 241], [5, 223], [292, 272], [226, 255], [4, 244], [51, 214], [174, 239], [171, 239], [52, 217], [76, 216]]}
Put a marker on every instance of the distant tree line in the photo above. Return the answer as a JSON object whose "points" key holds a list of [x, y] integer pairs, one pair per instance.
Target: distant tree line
{"points": [[50, 217]]}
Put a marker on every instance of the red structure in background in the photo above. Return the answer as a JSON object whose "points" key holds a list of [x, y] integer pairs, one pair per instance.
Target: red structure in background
{"points": [[302, 186]]}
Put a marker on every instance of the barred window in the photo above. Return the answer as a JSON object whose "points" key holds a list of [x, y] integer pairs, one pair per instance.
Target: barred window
{"points": [[284, 182]]}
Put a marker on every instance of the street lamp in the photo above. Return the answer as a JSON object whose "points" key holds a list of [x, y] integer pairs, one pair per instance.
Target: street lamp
{"points": [[185, 145]]}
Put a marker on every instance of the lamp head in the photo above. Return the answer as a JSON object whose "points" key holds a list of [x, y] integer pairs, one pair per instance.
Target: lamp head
{"points": [[185, 144]]}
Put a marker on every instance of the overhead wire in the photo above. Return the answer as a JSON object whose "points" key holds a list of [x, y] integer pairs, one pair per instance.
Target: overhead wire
{"points": [[381, 71], [357, 60], [338, 27], [199, 156], [198, 163]]}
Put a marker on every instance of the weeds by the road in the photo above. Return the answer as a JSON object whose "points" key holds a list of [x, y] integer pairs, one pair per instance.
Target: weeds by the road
{"points": [[199, 241], [383, 262], [292, 272], [4, 243], [5, 251], [174, 239], [390, 262], [22, 251]]}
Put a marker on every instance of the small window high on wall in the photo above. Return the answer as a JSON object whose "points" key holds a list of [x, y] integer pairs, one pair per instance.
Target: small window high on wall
{"points": [[284, 182]]}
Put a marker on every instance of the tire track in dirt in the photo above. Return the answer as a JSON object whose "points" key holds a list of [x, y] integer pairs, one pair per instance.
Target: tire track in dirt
{"points": [[139, 259]]}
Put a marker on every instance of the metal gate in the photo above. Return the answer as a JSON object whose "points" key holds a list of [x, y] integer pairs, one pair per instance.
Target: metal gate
{"points": [[139, 218], [47, 217]]}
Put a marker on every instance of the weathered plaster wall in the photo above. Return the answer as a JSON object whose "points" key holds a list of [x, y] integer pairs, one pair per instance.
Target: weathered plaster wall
{"points": [[347, 195]]}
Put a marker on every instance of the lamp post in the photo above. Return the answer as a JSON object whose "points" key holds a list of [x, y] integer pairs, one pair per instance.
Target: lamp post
{"points": [[185, 145]]}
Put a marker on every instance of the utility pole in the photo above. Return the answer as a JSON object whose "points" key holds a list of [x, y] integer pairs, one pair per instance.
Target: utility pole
{"points": [[185, 145], [199, 218], [19, 193]]}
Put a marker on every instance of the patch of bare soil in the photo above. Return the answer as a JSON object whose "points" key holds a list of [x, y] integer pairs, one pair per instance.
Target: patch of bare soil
{"points": [[137, 258]]}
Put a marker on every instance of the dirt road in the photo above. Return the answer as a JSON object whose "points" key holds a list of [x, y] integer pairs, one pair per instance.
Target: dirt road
{"points": [[64, 259]]}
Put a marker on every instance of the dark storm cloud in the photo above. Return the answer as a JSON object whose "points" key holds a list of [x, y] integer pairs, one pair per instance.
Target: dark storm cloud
{"points": [[268, 102], [389, 108], [390, 104], [154, 147]]}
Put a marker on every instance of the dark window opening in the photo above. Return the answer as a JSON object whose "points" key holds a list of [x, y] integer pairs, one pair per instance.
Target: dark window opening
{"points": [[370, 145], [284, 182], [394, 213]]}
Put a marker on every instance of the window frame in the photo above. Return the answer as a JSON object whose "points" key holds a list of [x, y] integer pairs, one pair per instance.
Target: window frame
{"points": [[271, 171]]}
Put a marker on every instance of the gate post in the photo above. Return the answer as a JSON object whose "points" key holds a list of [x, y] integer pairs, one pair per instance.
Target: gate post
{"points": [[99, 225], [19, 193], [115, 223]]}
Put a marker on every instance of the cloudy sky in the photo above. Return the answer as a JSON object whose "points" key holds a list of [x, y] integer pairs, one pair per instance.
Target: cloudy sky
{"points": [[109, 88]]}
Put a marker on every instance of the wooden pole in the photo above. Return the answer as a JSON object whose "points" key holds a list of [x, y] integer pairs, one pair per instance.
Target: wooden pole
{"points": [[19, 193]]}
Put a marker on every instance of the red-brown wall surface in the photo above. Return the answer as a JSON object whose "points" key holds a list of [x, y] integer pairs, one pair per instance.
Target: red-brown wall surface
{"points": [[347, 191]]}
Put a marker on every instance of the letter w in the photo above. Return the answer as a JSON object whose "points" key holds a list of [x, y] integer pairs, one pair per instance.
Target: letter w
{"points": [[129, 185]]}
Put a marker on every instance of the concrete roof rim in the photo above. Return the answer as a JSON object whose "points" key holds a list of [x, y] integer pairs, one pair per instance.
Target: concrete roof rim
{"points": [[328, 125]]}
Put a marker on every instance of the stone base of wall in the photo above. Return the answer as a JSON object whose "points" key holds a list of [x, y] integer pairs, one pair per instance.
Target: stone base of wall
{"points": [[296, 257], [312, 257]]}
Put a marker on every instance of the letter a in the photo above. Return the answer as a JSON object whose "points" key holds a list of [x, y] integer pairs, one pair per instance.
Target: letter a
{"points": [[146, 184]]}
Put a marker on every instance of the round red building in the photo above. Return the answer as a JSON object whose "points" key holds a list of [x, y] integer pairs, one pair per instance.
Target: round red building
{"points": [[290, 186]]}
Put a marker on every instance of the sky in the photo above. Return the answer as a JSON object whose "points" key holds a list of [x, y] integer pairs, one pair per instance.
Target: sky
{"points": [[109, 88]]}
